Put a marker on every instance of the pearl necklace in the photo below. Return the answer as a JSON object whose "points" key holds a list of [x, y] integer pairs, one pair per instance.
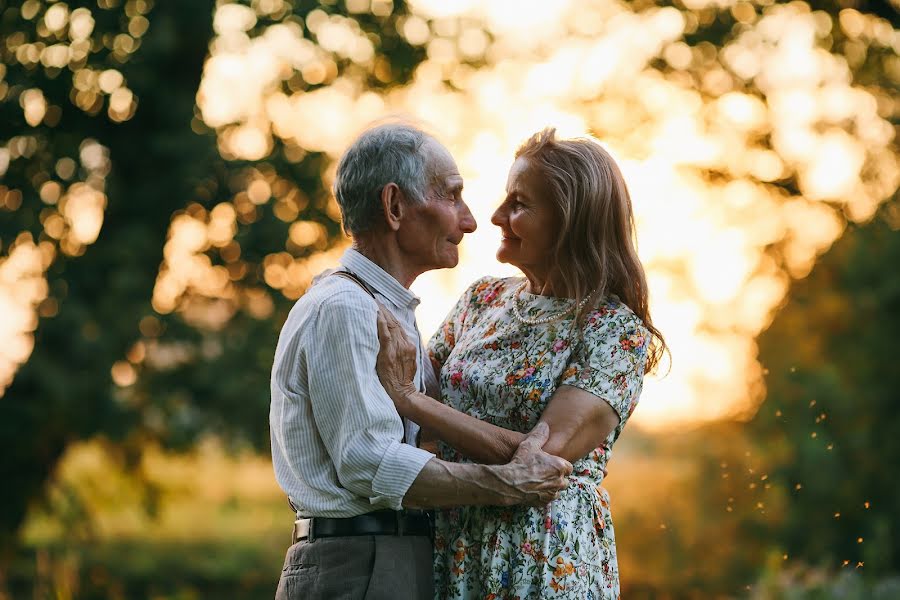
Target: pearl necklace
{"points": [[542, 320]]}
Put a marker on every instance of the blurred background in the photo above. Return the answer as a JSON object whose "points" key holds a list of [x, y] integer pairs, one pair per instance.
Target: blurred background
{"points": [[164, 198]]}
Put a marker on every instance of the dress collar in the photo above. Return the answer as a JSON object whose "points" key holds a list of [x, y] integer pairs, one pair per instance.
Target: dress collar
{"points": [[379, 279]]}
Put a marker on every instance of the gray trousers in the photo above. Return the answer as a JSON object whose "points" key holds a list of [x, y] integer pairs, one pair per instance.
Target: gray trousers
{"points": [[375, 567]]}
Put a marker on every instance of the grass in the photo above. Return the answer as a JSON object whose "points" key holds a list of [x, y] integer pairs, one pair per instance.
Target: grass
{"points": [[206, 524]]}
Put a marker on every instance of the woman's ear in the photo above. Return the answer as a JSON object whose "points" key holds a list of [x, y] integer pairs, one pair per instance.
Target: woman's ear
{"points": [[392, 200]]}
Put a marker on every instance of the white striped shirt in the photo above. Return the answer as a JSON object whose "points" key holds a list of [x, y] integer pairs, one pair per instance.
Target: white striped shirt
{"points": [[336, 437]]}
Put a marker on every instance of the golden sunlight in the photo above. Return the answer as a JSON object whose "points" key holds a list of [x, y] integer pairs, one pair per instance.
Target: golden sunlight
{"points": [[686, 139]]}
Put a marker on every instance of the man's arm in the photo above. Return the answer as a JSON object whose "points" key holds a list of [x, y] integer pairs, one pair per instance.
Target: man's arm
{"points": [[532, 477]]}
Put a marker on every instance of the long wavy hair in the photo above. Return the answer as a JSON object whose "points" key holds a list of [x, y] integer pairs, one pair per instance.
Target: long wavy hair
{"points": [[595, 254]]}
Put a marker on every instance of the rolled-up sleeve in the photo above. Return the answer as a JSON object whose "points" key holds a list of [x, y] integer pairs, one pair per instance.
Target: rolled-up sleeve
{"points": [[354, 416]]}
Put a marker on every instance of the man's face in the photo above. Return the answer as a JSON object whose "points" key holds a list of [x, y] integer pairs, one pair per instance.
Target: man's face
{"points": [[430, 232]]}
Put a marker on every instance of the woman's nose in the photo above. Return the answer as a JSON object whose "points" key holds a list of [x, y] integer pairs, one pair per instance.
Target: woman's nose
{"points": [[499, 216]]}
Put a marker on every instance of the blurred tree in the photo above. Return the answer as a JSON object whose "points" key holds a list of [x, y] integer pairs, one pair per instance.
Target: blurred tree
{"points": [[98, 105], [97, 294], [829, 424], [676, 496]]}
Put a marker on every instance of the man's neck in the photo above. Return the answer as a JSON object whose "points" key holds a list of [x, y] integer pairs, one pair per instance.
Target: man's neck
{"points": [[388, 257]]}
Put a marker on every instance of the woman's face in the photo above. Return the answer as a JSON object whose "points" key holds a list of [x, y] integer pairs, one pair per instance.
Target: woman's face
{"points": [[528, 221]]}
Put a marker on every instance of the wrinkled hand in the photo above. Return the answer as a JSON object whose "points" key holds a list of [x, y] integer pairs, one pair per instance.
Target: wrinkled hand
{"points": [[396, 362], [537, 475]]}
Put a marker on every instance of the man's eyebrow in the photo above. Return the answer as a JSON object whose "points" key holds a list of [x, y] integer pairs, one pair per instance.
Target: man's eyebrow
{"points": [[448, 186]]}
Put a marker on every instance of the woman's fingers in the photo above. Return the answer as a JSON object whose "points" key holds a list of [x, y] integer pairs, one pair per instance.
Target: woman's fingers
{"points": [[393, 323], [384, 329], [389, 317], [388, 323], [393, 326], [389, 320]]}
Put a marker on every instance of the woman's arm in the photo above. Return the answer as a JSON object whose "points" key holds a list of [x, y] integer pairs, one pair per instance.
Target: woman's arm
{"points": [[480, 441], [579, 421], [428, 439]]}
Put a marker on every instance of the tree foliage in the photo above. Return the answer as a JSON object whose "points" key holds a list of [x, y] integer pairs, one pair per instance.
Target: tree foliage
{"points": [[148, 162], [829, 424]]}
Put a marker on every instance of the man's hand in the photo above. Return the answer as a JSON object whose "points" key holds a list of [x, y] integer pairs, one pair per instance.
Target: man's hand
{"points": [[538, 477], [396, 363], [532, 477]]}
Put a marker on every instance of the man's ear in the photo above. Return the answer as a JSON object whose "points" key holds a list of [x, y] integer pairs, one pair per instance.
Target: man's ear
{"points": [[392, 205]]}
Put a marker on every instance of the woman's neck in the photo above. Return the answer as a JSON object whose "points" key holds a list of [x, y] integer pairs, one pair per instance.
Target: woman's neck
{"points": [[541, 284]]}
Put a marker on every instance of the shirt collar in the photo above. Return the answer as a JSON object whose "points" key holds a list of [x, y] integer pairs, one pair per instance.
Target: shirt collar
{"points": [[379, 279]]}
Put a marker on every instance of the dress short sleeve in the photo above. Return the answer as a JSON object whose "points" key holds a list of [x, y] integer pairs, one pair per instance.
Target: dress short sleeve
{"points": [[609, 361]]}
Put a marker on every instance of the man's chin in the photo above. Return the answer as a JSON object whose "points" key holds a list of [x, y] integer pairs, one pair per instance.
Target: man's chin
{"points": [[448, 261]]}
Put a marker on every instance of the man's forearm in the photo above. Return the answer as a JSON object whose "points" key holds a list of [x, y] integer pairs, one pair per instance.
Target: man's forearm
{"points": [[443, 484]]}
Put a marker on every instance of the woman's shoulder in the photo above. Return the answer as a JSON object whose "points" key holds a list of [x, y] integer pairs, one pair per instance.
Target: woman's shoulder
{"points": [[611, 315], [488, 290]]}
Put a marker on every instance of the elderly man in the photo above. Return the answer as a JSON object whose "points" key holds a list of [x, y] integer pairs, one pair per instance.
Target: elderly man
{"points": [[342, 454]]}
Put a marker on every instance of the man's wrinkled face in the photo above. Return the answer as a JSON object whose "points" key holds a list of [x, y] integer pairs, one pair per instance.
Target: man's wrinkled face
{"points": [[431, 232]]}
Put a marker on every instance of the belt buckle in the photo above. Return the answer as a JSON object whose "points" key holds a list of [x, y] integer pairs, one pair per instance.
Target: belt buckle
{"points": [[298, 533]]}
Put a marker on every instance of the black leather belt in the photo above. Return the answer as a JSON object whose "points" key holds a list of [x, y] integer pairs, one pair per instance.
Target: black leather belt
{"points": [[381, 522]]}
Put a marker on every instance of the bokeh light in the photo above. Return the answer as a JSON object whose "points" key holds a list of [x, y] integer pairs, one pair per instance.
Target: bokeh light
{"points": [[74, 192], [702, 134]]}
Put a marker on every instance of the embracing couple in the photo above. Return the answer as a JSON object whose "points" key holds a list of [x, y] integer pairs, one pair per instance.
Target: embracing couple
{"points": [[469, 467]]}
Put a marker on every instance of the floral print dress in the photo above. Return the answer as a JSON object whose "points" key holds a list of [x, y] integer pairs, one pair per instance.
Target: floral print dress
{"points": [[501, 371]]}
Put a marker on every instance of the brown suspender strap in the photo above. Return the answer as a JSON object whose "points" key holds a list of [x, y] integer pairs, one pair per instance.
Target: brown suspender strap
{"points": [[355, 279]]}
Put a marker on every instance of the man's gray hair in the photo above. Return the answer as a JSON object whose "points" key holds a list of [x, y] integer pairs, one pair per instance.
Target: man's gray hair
{"points": [[389, 153]]}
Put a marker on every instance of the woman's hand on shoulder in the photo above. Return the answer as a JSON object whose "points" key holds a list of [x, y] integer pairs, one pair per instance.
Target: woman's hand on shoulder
{"points": [[396, 362]]}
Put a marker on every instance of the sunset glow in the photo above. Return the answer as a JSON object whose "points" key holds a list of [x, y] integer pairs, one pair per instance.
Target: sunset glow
{"points": [[702, 134], [720, 245]]}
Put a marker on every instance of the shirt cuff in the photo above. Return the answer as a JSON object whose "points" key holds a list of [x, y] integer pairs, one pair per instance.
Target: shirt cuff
{"points": [[399, 467]]}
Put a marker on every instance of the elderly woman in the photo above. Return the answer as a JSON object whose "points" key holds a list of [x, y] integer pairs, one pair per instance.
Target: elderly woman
{"points": [[568, 345]]}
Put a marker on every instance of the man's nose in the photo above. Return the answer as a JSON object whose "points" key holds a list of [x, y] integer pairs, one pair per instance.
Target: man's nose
{"points": [[467, 220]]}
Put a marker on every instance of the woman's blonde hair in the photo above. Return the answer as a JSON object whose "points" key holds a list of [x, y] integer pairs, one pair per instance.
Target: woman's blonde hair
{"points": [[595, 254]]}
